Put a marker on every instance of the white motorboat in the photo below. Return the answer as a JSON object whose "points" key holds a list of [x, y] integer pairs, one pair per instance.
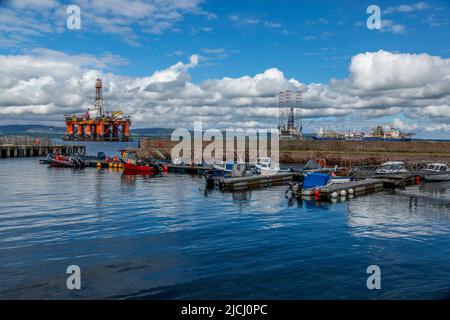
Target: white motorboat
{"points": [[437, 172], [392, 167], [265, 166], [235, 169]]}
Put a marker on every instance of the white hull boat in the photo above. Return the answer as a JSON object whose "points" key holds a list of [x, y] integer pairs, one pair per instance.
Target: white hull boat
{"points": [[437, 172], [437, 177], [266, 167], [392, 167], [234, 169]]}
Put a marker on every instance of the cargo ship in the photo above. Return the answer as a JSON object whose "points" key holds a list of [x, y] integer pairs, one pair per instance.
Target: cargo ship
{"points": [[379, 133]]}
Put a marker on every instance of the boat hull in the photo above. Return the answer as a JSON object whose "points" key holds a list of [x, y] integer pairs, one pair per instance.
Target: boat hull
{"points": [[139, 169], [437, 177], [65, 164]]}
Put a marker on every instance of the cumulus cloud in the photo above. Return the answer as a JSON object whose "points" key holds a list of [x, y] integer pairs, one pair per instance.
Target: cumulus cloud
{"points": [[44, 85]]}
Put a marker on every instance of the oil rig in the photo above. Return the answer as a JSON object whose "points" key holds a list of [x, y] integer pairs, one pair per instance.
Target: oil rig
{"points": [[96, 125], [290, 115]]}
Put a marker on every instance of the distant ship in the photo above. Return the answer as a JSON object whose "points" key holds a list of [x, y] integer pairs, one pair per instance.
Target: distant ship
{"points": [[391, 134], [338, 135], [378, 133]]}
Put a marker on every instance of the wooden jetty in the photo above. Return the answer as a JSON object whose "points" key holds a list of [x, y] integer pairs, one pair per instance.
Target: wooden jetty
{"points": [[392, 181], [253, 182], [355, 188], [367, 186], [12, 147]]}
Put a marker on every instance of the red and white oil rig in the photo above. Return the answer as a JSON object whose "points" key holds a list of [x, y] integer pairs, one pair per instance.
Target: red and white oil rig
{"points": [[96, 125]]}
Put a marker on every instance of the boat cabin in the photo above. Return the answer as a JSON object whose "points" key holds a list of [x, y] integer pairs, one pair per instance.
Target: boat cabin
{"points": [[437, 167], [392, 167]]}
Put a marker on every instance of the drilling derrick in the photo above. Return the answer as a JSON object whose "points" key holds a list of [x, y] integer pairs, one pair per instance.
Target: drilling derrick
{"points": [[298, 112], [98, 105], [290, 112], [100, 126], [287, 114], [281, 117]]}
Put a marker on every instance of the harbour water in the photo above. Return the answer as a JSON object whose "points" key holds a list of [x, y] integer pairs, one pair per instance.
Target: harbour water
{"points": [[165, 237]]}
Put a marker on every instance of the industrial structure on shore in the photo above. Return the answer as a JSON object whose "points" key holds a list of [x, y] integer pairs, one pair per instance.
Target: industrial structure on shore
{"points": [[379, 133], [290, 117], [96, 125]]}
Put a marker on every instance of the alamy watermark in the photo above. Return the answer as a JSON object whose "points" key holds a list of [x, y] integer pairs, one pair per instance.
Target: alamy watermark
{"points": [[240, 145], [73, 21], [74, 280], [374, 280], [374, 20]]}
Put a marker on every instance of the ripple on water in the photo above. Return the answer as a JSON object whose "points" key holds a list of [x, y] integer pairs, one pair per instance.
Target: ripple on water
{"points": [[165, 237]]}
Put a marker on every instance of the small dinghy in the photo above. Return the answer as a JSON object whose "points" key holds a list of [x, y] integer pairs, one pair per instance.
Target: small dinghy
{"points": [[316, 180], [67, 162]]}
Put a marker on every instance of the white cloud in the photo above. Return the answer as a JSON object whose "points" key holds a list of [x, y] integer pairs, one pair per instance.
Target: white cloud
{"points": [[45, 85], [438, 127], [21, 21], [398, 123], [390, 26], [408, 7], [253, 21]]}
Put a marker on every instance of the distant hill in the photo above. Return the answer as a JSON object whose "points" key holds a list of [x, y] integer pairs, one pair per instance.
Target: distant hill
{"points": [[152, 132], [31, 129], [41, 130]]}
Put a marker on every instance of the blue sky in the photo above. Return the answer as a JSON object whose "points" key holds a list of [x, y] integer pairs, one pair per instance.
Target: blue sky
{"points": [[309, 41]]}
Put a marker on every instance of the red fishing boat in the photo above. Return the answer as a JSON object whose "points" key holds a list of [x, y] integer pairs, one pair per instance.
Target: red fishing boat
{"points": [[140, 168]]}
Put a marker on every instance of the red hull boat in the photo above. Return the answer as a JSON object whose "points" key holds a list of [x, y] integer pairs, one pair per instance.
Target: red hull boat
{"points": [[129, 168]]}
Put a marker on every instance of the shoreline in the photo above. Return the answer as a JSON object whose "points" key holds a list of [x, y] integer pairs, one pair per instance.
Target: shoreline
{"points": [[341, 153]]}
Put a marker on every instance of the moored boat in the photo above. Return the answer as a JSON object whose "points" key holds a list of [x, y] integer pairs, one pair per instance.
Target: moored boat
{"points": [[437, 172], [235, 169], [140, 168], [392, 167], [67, 162], [266, 167]]}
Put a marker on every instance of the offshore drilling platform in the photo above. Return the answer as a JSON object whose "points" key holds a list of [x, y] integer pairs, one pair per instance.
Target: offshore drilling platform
{"points": [[290, 118], [96, 125]]}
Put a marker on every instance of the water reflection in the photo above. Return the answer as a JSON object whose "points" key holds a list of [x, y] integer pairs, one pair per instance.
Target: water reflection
{"points": [[415, 212], [167, 237]]}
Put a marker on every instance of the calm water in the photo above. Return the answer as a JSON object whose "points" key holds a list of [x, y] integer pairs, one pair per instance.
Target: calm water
{"points": [[165, 237]]}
